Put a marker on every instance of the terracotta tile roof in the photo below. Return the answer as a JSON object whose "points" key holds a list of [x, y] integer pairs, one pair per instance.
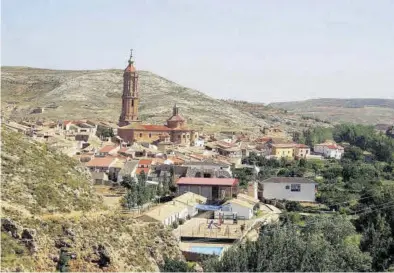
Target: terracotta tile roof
{"points": [[139, 170], [102, 162], [107, 149], [196, 156], [176, 160], [264, 139], [149, 127], [207, 181], [145, 162], [334, 147], [130, 68]]}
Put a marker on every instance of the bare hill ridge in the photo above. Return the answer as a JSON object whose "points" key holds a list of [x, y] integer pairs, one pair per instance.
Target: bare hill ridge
{"points": [[358, 110], [97, 94]]}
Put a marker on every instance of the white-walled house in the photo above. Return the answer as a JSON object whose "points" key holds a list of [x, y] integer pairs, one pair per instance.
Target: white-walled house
{"points": [[243, 209], [289, 188], [191, 200], [166, 214], [329, 150]]}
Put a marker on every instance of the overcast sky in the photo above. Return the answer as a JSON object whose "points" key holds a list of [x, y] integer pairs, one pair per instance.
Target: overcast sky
{"points": [[252, 50]]}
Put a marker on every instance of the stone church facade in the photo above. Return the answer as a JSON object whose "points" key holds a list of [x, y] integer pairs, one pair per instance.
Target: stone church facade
{"points": [[131, 129]]}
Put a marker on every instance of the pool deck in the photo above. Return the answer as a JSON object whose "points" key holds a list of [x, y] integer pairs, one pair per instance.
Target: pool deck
{"points": [[197, 228]]}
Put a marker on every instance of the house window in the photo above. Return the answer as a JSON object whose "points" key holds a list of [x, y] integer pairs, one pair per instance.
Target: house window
{"points": [[150, 135], [295, 187], [140, 134], [287, 187]]}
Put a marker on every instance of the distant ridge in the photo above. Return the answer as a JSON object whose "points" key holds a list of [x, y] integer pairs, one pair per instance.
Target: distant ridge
{"points": [[359, 110], [337, 102]]}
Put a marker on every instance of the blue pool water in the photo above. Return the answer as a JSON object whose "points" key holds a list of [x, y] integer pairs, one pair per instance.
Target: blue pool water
{"points": [[216, 250]]}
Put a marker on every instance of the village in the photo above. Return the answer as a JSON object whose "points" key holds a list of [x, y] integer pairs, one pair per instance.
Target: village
{"points": [[191, 174]]}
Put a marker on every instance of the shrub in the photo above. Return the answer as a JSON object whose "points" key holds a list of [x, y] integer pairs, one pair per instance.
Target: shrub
{"points": [[175, 224], [181, 221], [293, 206]]}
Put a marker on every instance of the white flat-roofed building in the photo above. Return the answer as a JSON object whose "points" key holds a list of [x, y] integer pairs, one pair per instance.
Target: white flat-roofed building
{"points": [[289, 188]]}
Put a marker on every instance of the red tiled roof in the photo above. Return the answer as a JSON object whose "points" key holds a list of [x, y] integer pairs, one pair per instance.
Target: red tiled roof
{"points": [[264, 139], [207, 181], [130, 68], [107, 149], [139, 170], [145, 162], [156, 128], [176, 160], [334, 147], [100, 162]]}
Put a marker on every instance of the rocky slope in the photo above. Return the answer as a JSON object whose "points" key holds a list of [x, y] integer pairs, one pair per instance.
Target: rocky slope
{"points": [[37, 182], [366, 111]]}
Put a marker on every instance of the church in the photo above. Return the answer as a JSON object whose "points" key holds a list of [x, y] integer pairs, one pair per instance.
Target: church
{"points": [[131, 129]]}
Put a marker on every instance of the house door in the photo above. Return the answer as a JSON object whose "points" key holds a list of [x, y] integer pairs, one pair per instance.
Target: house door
{"points": [[215, 192]]}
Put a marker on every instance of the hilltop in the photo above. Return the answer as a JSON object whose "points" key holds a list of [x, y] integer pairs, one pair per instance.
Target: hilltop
{"points": [[49, 203], [364, 111], [96, 94]]}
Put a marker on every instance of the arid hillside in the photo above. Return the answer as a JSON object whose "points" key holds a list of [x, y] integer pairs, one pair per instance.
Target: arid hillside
{"points": [[365, 111], [49, 204], [97, 95]]}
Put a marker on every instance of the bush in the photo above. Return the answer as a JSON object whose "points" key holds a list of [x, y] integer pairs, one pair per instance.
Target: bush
{"points": [[181, 221], [175, 224], [188, 217], [174, 265], [293, 206]]}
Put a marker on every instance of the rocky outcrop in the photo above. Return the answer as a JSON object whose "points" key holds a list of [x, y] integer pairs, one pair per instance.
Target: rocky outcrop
{"points": [[10, 227]]}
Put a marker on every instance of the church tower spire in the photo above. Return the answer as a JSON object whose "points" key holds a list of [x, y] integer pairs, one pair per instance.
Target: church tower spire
{"points": [[130, 97]]}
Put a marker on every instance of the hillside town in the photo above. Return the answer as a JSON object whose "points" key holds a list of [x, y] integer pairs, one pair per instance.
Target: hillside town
{"points": [[194, 175]]}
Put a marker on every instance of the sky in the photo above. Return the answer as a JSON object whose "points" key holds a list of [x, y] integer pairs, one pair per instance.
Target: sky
{"points": [[255, 50]]}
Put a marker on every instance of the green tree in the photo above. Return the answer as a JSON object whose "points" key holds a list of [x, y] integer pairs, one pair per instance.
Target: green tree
{"points": [[64, 259], [293, 206], [321, 246], [175, 265], [166, 184], [377, 225]]}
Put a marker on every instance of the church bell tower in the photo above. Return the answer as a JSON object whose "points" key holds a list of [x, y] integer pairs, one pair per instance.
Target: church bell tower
{"points": [[130, 97]]}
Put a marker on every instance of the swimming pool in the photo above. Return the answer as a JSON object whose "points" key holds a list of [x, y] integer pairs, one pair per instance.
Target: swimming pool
{"points": [[212, 250]]}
